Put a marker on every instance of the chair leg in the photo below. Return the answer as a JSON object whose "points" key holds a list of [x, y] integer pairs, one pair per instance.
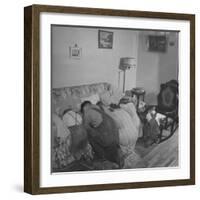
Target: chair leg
{"points": [[172, 128], [161, 132]]}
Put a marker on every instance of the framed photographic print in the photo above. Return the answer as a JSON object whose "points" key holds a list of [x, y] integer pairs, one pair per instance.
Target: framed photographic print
{"points": [[157, 43], [75, 52], [105, 39], [86, 126]]}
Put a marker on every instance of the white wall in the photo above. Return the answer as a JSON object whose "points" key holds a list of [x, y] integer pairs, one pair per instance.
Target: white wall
{"points": [[169, 60], [148, 69], [155, 68], [95, 65], [11, 101]]}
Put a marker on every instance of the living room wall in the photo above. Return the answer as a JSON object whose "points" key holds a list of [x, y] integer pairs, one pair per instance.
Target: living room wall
{"points": [[95, 65], [148, 69], [168, 61], [155, 68]]}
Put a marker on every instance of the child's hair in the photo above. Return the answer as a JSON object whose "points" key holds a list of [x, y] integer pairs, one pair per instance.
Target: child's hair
{"points": [[114, 106], [85, 103], [64, 112], [100, 105]]}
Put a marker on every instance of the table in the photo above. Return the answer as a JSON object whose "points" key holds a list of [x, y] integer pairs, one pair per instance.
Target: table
{"points": [[138, 92]]}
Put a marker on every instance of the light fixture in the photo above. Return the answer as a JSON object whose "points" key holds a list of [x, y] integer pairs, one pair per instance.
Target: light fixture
{"points": [[125, 64]]}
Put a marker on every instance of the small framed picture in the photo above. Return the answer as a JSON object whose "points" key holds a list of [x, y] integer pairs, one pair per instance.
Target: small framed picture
{"points": [[157, 43], [105, 39], [75, 52]]}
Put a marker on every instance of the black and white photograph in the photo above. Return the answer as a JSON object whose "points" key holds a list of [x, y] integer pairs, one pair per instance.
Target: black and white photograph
{"points": [[116, 106], [109, 99]]}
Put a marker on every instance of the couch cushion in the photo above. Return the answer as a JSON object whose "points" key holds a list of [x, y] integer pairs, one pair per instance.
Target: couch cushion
{"points": [[106, 98], [69, 102]]}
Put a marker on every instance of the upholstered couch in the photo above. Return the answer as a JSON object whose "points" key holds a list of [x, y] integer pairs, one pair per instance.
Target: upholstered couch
{"points": [[70, 98]]}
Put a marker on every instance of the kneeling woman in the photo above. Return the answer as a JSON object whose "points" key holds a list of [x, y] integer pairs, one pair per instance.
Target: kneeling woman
{"points": [[102, 133]]}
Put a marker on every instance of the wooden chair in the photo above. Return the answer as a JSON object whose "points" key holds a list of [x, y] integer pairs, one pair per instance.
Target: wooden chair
{"points": [[168, 100]]}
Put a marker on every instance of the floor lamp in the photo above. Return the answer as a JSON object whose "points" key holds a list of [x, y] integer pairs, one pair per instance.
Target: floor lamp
{"points": [[125, 64]]}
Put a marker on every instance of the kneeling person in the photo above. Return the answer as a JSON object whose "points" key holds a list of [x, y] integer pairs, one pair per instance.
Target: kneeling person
{"points": [[102, 133]]}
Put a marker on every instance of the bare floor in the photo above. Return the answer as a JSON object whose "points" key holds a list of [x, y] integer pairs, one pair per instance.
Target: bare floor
{"points": [[164, 154]]}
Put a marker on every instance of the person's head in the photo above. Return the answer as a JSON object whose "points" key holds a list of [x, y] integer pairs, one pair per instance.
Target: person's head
{"points": [[85, 105], [100, 105]]}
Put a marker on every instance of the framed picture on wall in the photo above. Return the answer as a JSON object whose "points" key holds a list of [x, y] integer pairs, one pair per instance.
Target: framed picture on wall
{"points": [[105, 39], [75, 52], [82, 132], [157, 43]]}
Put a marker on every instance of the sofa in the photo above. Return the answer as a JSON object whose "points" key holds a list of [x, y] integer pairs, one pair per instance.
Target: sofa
{"points": [[70, 99]]}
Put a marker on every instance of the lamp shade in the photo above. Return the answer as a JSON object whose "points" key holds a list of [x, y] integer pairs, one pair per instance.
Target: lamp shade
{"points": [[127, 63]]}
